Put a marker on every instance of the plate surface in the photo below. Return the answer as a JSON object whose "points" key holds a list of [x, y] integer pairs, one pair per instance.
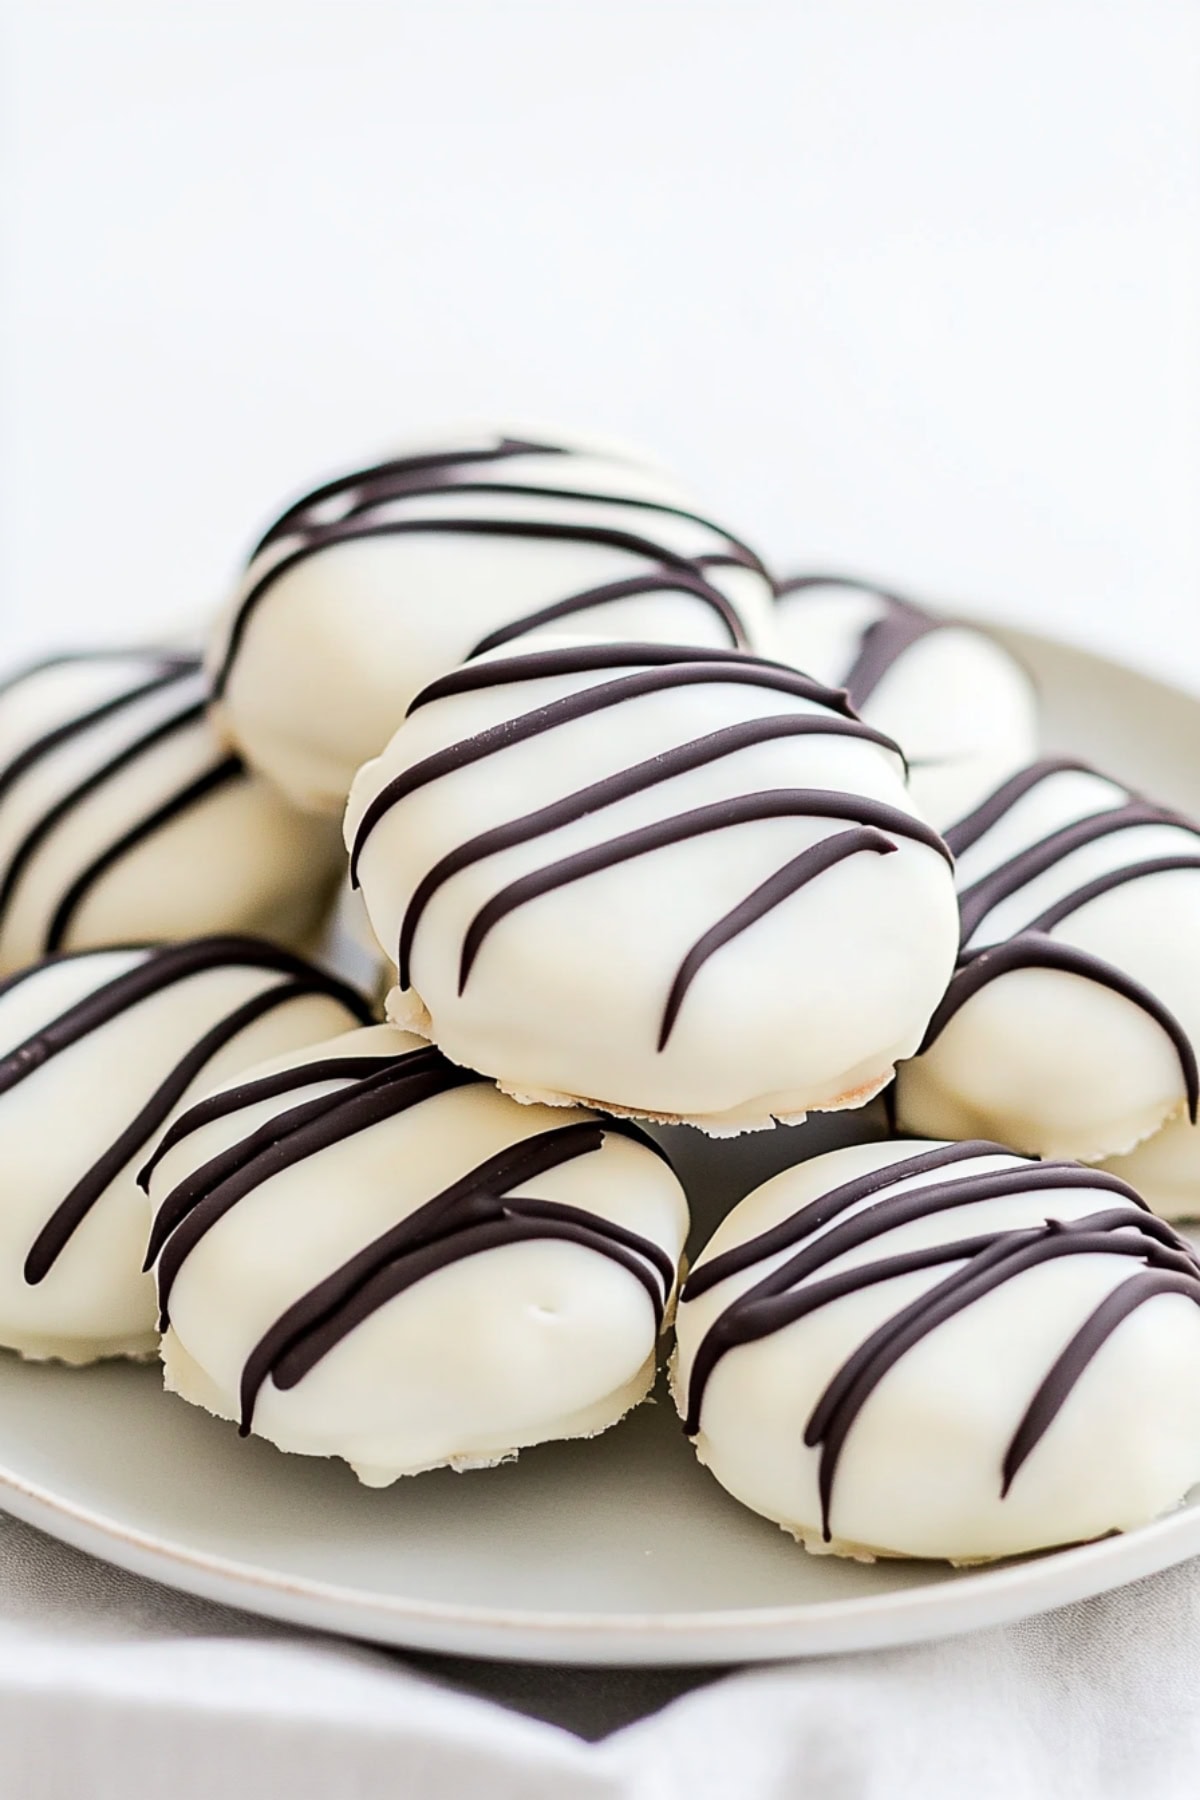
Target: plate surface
{"points": [[622, 1550]]}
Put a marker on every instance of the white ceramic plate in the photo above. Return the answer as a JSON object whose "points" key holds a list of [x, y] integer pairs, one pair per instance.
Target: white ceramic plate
{"points": [[618, 1551]]}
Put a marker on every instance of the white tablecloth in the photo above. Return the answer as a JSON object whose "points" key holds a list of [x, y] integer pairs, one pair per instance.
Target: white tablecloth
{"points": [[112, 1687]]}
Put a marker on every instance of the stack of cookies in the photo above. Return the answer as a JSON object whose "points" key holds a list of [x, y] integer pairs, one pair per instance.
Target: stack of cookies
{"points": [[643, 835]]}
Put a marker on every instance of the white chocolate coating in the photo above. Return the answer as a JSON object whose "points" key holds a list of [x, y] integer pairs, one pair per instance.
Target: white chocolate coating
{"points": [[922, 1465], [1052, 1062], [1165, 1169], [809, 1004], [64, 1109], [497, 1348], [421, 558], [963, 710], [93, 748]]}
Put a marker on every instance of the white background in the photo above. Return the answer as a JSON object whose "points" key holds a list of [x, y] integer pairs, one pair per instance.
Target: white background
{"points": [[908, 286]]}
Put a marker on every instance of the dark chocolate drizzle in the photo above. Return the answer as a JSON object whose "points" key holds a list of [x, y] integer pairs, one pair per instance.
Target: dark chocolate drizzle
{"points": [[162, 966], [721, 815], [715, 1269], [478, 1212], [67, 1217], [222, 775], [412, 479], [656, 669], [763, 899], [1037, 950], [1032, 947], [1104, 884], [250, 1093], [159, 969], [738, 555], [66, 805], [996, 805], [680, 582], [884, 641], [986, 1261], [669, 667], [599, 794], [386, 480], [557, 660], [167, 671], [162, 660], [208, 1193], [167, 676], [1008, 878], [1066, 1370]]}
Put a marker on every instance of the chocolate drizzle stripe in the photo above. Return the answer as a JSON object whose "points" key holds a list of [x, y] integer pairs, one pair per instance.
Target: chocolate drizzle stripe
{"points": [[266, 1087], [668, 764], [720, 816], [767, 1306], [223, 774], [583, 704], [14, 677], [1009, 877], [989, 812], [82, 723], [769, 894], [158, 658], [1035, 950], [798, 584], [160, 968], [650, 1253], [520, 1224], [538, 529], [557, 660], [474, 1213], [669, 582], [382, 1085], [741, 558], [1046, 1404], [69, 1215], [1013, 1254], [739, 554], [715, 1269], [883, 644], [69, 802], [194, 1207], [1104, 884], [398, 469], [901, 625]]}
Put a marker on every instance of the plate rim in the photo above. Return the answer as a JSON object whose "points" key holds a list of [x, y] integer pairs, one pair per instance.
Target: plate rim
{"points": [[991, 1594]]}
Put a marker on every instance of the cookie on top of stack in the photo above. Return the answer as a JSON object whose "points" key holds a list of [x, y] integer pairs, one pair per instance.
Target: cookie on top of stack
{"points": [[377, 582], [644, 834]]}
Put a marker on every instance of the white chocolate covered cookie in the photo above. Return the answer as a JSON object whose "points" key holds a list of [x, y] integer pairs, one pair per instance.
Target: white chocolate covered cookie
{"points": [[676, 883], [1071, 1023], [98, 1052], [384, 578], [123, 820], [943, 1350], [363, 1251]]}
